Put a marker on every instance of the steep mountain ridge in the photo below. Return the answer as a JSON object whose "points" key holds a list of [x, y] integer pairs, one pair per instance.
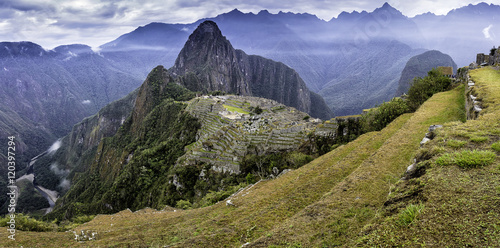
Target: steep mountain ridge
{"points": [[208, 53], [318, 50], [314, 48], [46, 92], [55, 89], [476, 23]]}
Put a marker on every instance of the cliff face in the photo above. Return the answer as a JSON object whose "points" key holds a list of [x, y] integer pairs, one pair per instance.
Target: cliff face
{"points": [[208, 62], [44, 93], [275, 80]]}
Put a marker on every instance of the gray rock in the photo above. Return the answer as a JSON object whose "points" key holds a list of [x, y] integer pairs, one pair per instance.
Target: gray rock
{"points": [[477, 108], [424, 140], [230, 203], [411, 168], [434, 127]]}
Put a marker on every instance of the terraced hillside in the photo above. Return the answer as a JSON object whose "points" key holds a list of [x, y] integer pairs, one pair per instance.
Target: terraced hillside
{"points": [[351, 196], [231, 129]]}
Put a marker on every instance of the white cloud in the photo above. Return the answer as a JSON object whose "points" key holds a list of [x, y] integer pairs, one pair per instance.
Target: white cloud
{"points": [[486, 32], [65, 184], [59, 172], [86, 102], [54, 147]]}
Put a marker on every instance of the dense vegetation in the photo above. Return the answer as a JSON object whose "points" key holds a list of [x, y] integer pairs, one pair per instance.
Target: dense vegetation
{"points": [[134, 168]]}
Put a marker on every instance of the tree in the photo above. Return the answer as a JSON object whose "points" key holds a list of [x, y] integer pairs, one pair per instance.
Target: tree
{"points": [[492, 51]]}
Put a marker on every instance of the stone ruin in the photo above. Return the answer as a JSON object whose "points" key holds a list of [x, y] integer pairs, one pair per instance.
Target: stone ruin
{"points": [[488, 59]]}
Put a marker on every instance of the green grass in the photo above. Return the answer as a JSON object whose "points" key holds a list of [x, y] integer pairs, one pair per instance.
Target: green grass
{"points": [[410, 213], [479, 139], [496, 146], [456, 143], [236, 109], [461, 206], [467, 158]]}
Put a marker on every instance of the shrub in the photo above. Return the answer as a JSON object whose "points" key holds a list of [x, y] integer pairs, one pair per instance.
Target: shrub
{"points": [[83, 219], [298, 159], [423, 88], [467, 158], [215, 196], [26, 223], [183, 204], [376, 119], [258, 110], [492, 51], [250, 178], [496, 146], [410, 213]]}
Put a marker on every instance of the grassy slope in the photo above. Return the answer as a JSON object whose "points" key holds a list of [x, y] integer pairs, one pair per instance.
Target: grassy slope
{"points": [[461, 207], [325, 202]]}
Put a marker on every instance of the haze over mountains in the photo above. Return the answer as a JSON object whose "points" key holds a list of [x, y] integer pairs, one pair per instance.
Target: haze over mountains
{"points": [[361, 50], [353, 61]]}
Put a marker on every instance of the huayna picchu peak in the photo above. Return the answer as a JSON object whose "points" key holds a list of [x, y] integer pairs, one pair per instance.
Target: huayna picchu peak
{"points": [[208, 62]]}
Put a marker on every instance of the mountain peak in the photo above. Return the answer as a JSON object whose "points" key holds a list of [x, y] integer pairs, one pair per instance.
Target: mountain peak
{"points": [[22, 48], [206, 30], [387, 7], [207, 49], [264, 12]]}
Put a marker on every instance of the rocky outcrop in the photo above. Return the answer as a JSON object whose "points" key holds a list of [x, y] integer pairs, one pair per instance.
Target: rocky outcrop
{"points": [[208, 62]]}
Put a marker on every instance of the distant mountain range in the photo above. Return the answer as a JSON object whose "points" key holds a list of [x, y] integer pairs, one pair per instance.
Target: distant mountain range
{"points": [[354, 61]]}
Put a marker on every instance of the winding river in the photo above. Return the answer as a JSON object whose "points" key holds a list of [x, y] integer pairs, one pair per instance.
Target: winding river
{"points": [[50, 195]]}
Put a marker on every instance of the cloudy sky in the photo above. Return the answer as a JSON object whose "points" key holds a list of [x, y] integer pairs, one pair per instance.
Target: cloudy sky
{"points": [[94, 22]]}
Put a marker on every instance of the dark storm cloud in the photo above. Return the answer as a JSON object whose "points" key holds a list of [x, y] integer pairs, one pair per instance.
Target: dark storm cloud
{"points": [[26, 6]]}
